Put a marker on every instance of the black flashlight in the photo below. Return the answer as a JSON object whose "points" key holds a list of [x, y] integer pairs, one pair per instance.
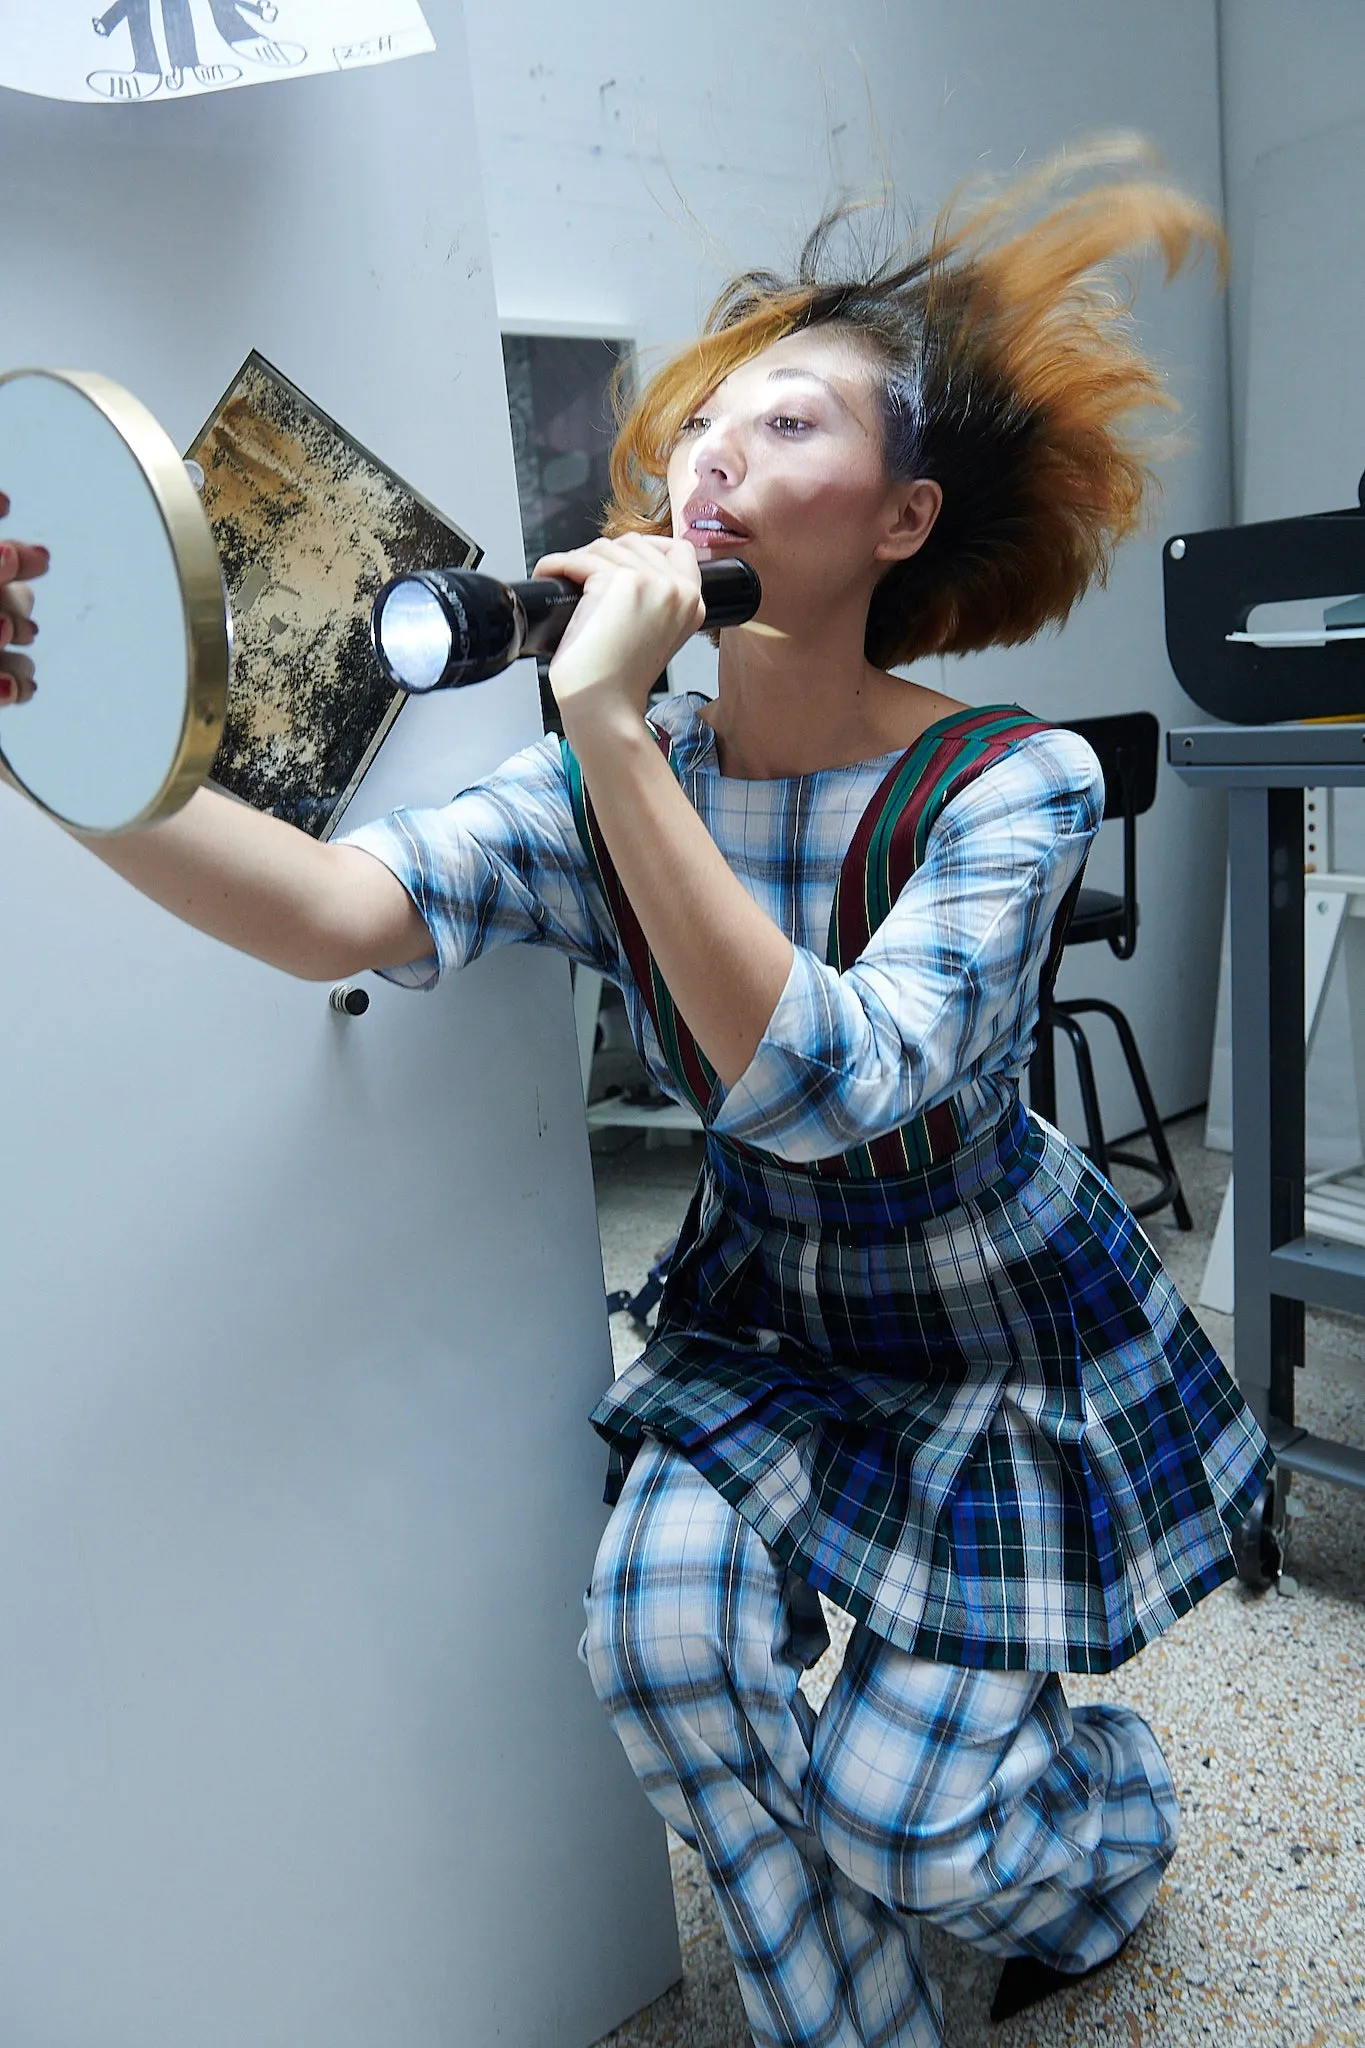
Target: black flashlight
{"points": [[443, 628]]}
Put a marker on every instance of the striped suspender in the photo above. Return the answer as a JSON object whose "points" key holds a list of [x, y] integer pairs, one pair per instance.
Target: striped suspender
{"points": [[885, 850]]}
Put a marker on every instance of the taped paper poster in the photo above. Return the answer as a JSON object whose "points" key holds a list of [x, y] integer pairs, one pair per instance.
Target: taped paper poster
{"points": [[170, 49]]}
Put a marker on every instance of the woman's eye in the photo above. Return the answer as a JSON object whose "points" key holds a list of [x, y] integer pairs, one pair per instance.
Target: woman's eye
{"points": [[787, 423], [696, 424]]}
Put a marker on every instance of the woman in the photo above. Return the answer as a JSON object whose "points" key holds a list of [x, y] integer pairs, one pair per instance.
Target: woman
{"points": [[913, 1352]]}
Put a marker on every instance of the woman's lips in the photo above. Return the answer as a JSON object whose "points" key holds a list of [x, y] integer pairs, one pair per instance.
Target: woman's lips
{"points": [[709, 541], [706, 526], [704, 534]]}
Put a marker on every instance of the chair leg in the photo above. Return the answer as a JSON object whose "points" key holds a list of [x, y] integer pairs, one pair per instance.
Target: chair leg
{"points": [[1146, 1100], [1085, 1076], [1042, 1068]]}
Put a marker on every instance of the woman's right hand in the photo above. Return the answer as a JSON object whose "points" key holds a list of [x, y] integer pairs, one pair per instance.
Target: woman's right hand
{"points": [[20, 561]]}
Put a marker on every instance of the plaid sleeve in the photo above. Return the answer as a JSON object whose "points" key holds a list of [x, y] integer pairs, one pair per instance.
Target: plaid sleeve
{"points": [[502, 864], [948, 987]]}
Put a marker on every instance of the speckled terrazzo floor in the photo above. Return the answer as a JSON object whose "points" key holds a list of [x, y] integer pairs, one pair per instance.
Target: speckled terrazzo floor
{"points": [[1258, 1934]]}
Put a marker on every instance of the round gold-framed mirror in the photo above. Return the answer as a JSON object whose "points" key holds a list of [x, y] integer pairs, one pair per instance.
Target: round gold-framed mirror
{"points": [[134, 647]]}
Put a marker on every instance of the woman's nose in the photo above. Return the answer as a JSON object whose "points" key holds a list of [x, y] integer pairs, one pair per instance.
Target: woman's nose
{"points": [[717, 455]]}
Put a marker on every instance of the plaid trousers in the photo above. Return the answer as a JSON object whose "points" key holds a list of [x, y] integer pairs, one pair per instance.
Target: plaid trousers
{"points": [[973, 1798]]}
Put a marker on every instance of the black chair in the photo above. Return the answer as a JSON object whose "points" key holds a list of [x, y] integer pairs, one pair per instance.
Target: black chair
{"points": [[1127, 748]]}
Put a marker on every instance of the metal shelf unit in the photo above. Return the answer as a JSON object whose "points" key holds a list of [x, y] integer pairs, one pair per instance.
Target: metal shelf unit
{"points": [[1279, 1265]]}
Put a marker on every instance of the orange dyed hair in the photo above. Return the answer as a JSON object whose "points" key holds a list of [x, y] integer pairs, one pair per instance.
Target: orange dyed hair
{"points": [[1009, 374]]}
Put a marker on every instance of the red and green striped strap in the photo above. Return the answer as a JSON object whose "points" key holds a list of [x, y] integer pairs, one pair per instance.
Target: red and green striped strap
{"points": [[885, 850], [887, 847]]}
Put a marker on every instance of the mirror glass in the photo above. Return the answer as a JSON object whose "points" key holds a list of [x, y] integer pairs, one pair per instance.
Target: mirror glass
{"points": [[132, 654]]}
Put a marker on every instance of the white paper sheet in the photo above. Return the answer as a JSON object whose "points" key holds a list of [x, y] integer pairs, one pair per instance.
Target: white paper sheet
{"points": [[170, 49]]}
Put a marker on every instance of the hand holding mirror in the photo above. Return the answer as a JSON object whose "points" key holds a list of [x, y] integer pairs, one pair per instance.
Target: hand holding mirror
{"points": [[19, 564], [132, 661]]}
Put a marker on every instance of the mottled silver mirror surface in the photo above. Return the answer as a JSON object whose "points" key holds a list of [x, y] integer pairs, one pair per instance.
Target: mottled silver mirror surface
{"points": [[309, 526]]}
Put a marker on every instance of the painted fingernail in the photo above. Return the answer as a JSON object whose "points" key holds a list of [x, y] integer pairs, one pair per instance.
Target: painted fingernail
{"points": [[8, 688], [9, 564]]}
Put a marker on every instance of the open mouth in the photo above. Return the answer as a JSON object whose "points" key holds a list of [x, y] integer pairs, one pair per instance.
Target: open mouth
{"points": [[706, 526]]}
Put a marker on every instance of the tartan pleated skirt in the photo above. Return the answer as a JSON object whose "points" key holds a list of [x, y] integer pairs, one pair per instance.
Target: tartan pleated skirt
{"points": [[966, 1403]]}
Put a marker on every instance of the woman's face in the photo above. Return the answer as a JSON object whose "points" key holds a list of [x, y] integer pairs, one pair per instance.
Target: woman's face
{"points": [[783, 466]]}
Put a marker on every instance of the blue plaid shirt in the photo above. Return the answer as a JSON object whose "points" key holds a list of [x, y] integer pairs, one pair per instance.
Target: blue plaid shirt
{"points": [[943, 1002]]}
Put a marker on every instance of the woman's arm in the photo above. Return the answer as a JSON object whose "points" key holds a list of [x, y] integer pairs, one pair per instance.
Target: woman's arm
{"points": [[724, 960], [417, 894], [947, 989], [318, 911]]}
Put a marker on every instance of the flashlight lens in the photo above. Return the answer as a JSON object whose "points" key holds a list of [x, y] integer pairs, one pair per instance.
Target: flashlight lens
{"points": [[413, 635]]}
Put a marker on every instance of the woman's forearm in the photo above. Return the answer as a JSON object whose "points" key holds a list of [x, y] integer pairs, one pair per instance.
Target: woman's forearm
{"points": [[260, 885], [724, 960]]}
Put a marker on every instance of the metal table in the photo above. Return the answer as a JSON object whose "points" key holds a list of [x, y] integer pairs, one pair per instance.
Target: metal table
{"points": [[1278, 1267]]}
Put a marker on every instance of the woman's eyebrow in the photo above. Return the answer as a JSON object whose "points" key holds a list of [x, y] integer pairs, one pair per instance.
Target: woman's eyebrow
{"points": [[814, 377]]}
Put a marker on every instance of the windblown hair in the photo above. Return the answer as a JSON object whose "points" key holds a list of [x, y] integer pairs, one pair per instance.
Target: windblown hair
{"points": [[1009, 374]]}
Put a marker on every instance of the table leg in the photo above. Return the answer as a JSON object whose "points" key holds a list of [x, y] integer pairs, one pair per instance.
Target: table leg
{"points": [[1266, 846]]}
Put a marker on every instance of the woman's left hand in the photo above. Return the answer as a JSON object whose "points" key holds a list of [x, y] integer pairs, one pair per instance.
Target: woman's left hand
{"points": [[18, 562], [641, 601]]}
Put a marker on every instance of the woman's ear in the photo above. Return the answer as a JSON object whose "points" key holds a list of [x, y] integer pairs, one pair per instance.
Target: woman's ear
{"points": [[914, 508]]}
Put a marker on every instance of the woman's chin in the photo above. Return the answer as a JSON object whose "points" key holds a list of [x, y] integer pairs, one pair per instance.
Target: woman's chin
{"points": [[719, 547]]}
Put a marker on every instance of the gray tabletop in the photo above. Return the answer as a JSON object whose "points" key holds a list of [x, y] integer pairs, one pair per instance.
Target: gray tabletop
{"points": [[1270, 755]]}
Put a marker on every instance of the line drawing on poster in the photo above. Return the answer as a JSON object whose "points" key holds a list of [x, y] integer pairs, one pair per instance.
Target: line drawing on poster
{"points": [[139, 49], [240, 25]]}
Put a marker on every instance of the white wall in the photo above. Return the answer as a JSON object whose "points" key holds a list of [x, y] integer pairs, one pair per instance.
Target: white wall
{"points": [[300, 1318], [631, 162]]}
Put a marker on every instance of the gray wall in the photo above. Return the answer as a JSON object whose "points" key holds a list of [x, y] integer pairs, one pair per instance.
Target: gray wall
{"points": [[1293, 109], [629, 167], [1288, 72]]}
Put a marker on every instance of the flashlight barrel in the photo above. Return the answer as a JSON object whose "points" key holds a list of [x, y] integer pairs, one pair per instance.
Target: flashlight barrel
{"points": [[546, 604], [486, 625], [730, 591]]}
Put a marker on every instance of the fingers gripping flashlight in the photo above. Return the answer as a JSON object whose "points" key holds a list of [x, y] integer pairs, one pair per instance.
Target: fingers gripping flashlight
{"points": [[443, 628]]}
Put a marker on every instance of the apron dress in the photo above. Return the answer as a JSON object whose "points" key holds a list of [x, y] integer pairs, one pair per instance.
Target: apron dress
{"points": [[946, 1382]]}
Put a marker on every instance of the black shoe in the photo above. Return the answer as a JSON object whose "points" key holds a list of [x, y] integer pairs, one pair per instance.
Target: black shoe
{"points": [[1024, 1981]]}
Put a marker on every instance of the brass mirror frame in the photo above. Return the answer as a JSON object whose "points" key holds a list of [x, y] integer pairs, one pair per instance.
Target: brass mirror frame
{"points": [[208, 625]]}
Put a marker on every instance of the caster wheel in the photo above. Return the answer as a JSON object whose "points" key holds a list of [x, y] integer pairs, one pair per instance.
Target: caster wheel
{"points": [[1257, 1548]]}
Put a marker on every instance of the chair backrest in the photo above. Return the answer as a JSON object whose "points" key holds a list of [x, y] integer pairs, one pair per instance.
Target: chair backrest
{"points": [[1127, 746]]}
